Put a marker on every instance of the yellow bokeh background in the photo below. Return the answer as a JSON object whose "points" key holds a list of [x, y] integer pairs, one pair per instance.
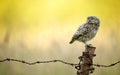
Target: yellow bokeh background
{"points": [[41, 30]]}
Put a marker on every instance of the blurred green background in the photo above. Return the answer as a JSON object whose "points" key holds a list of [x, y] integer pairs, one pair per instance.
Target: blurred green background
{"points": [[41, 30]]}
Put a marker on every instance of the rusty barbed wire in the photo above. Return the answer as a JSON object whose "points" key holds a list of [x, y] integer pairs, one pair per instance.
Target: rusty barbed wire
{"points": [[110, 65], [52, 61], [37, 62]]}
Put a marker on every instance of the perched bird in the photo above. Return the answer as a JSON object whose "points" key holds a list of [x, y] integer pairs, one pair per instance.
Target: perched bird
{"points": [[87, 31]]}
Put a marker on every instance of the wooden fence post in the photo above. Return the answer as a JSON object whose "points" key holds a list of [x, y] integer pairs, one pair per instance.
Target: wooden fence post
{"points": [[85, 66]]}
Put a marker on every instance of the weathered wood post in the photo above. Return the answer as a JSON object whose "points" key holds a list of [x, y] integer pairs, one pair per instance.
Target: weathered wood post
{"points": [[85, 66]]}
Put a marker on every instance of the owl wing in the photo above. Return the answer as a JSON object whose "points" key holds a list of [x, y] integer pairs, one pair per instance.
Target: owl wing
{"points": [[82, 30]]}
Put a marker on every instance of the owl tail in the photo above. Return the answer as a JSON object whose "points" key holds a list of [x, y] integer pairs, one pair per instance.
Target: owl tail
{"points": [[71, 41]]}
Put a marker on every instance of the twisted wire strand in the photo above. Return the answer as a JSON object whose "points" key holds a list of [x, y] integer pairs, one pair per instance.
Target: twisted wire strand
{"points": [[37, 62], [110, 65], [52, 61]]}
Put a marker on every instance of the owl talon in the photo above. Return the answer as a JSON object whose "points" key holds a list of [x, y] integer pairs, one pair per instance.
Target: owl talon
{"points": [[88, 45]]}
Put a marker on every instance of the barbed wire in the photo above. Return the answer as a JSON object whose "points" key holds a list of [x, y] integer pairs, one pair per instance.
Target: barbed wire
{"points": [[110, 65], [37, 62], [52, 61]]}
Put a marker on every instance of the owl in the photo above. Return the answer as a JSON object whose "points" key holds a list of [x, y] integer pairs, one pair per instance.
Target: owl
{"points": [[87, 31]]}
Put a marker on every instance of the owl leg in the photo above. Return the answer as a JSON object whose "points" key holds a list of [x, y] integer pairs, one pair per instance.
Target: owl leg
{"points": [[86, 44], [90, 45]]}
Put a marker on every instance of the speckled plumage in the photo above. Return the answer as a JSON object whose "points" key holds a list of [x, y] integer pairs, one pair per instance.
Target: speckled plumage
{"points": [[86, 31]]}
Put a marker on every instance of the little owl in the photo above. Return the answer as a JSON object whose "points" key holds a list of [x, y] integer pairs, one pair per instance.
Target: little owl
{"points": [[86, 31]]}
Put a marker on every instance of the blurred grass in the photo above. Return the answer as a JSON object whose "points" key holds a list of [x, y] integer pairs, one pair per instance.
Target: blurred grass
{"points": [[41, 29]]}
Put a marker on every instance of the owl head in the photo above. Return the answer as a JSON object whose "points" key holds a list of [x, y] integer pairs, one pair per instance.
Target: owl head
{"points": [[93, 20]]}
